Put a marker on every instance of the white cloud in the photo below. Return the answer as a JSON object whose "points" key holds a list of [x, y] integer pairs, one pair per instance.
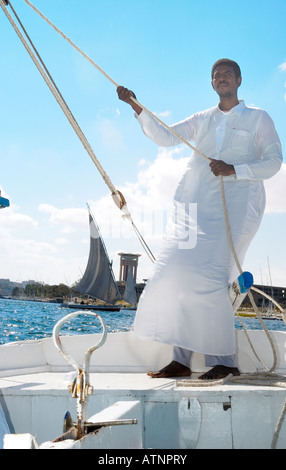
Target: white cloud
{"points": [[61, 241], [22, 259], [39, 250], [12, 220], [148, 198], [157, 182], [71, 219], [276, 192], [166, 113], [283, 66], [111, 136]]}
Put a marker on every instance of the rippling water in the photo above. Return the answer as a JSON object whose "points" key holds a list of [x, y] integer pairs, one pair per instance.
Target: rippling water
{"points": [[21, 320]]}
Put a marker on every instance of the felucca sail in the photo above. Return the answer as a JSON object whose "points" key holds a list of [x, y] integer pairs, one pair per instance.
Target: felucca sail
{"points": [[98, 280]]}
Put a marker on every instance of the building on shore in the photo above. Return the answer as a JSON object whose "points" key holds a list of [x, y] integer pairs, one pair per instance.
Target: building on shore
{"points": [[129, 262], [276, 293]]}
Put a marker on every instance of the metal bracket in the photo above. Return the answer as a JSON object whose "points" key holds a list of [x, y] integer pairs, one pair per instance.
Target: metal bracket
{"points": [[80, 388]]}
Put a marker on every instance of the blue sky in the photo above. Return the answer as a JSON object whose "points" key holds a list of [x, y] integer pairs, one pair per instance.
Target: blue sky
{"points": [[162, 50]]}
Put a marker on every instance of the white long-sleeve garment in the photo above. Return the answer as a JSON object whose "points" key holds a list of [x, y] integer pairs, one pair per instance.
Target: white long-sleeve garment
{"points": [[185, 302]]}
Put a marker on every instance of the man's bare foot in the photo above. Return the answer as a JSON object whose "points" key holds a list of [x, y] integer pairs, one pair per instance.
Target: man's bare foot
{"points": [[174, 369], [219, 372]]}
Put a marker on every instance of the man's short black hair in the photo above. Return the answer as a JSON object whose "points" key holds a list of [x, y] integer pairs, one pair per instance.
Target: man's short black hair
{"points": [[229, 62]]}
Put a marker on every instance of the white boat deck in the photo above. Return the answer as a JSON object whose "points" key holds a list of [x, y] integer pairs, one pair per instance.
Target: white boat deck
{"points": [[55, 383], [34, 395]]}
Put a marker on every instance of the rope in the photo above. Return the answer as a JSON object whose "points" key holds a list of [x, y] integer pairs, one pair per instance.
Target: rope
{"points": [[113, 81], [62, 103], [250, 295], [258, 378], [255, 289]]}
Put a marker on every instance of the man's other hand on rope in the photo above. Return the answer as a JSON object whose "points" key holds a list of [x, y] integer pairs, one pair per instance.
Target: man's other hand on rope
{"points": [[125, 95], [220, 168]]}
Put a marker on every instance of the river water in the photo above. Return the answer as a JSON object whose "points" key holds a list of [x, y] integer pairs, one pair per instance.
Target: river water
{"points": [[23, 320]]}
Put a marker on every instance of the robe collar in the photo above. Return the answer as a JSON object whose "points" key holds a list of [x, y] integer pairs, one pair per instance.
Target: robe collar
{"points": [[238, 109]]}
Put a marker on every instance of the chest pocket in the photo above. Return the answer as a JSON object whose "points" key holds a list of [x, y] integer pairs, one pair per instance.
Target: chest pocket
{"points": [[239, 140]]}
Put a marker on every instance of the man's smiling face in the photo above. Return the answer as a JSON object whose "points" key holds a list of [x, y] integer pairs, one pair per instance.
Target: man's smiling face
{"points": [[224, 81]]}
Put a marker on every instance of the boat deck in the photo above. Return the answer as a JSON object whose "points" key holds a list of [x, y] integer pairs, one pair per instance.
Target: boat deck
{"points": [[34, 396], [137, 383], [226, 416]]}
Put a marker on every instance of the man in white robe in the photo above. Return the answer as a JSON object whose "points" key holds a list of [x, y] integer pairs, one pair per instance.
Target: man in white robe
{"points": [[186, 302]]}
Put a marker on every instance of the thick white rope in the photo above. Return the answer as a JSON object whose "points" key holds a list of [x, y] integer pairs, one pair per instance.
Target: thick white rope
{"points": [[57, 95], [255, 289], [113, 81], [250, 295], [59, 100], [256, 378]]}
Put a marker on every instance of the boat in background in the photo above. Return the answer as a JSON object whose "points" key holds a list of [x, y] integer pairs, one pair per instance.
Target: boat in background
{"points": [[98, 280], [87, 306]]}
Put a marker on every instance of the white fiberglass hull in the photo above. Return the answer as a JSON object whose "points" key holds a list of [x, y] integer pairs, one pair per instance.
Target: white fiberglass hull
{"points": [[34, 396]]}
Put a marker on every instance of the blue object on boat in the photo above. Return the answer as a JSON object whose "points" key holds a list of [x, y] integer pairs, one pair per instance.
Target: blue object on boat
{"points": [[239, 289], [4, 202], [245, 281]]}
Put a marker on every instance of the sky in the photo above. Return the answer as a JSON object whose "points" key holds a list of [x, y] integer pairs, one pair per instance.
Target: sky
{"points": [[163, 51]]}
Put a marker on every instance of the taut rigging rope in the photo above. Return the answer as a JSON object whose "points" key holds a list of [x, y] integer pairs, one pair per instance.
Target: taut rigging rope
{"points": [[119, 200], [113, 81]]}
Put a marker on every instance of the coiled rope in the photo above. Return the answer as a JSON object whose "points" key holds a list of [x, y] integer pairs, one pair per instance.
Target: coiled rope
{"points": [[118, 197]]}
